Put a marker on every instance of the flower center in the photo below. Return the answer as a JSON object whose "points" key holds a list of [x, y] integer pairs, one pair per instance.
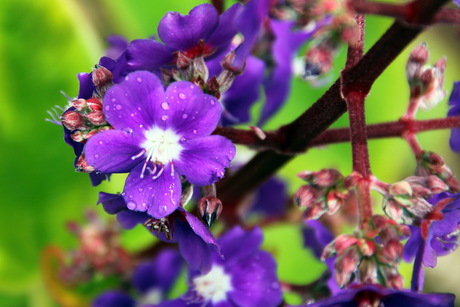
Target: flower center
{"points": [[161, 146], [213, 286]]}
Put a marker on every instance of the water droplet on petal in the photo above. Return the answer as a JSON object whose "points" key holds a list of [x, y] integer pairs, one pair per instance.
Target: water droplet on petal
{"points": [[162, 209], [184, 116], [107, 108], [97, 156], [119, 107], [140, 126], [139, 80], [131, 205], [114, 99], [164, 117], [140, 189], [144, 206], [127, 130], [194, 131], [182, 96], [165, 106], [213, 102], [123, 194], [101, 143], [127, 78]]}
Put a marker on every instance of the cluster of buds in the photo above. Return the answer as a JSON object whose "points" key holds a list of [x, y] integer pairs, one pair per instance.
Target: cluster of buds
{"points": [[371, 256], [99, 253], [194, 69], [324, 192], [426, 82], [429, 163], [406, 201]]}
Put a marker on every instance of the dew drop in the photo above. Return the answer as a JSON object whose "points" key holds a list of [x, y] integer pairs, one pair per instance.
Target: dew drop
{"points": [[97, 156], [213, 102], [131, 205], [119, 107], [184, 116], [182, 96], [140, 189], [139, 108], [101, 143], [140, 126], [114, 99], [127, 78], [162, 209], [144, 206], [107, 108], [123, 194], [139, 79], [165, 106], [164, 117], [127, 130], [194, 131]]}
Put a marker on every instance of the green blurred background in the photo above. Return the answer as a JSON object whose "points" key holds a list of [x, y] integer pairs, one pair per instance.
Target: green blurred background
{"points": [[44, 44]]}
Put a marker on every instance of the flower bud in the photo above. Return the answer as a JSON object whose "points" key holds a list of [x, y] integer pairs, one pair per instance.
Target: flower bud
{"points": [[209, 208], [94, 104], [96, 117], [346, 265], [306, 196], [79, 104], [73, 120], [368, 271], [101, 76]]}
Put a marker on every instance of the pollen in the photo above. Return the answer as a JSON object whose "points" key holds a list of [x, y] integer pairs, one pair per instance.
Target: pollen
{"points": [[161, 146], [214, 286]]}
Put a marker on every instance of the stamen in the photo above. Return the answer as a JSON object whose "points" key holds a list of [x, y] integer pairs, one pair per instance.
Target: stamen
{"points": [[138, 155], [159, 172]]}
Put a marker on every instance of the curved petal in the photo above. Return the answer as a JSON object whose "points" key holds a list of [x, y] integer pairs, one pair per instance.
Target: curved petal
{"points": [[183, 32], [129, 219], [135, 104], [226, 29], [203, 160], [254, 282], [189, 111], [112, 203], [238, 244], [147, 54], [154, 192], [112, 151]]}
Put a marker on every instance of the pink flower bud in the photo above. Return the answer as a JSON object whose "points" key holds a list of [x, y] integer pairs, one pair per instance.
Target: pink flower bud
{"points": [[306, 196], [96, 117], [101, 76], [78, 136], [400, 188], [368, 271], [343, 242], [73, 120], [345, 265], [79, 104], [94, 104]]}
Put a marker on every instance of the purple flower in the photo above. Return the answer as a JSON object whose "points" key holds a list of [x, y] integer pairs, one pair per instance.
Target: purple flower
{"points": [[200, 33], [194, 239], [244, 276], [374, 295], [152, 281], [454, 102], [437, 235], [158, 137]]}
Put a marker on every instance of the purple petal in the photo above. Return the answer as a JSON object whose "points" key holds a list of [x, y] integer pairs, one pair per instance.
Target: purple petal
{"points": [[134, 104], [113, 299], [316, 236], [161, 273], [111, 151], [189, 111], [271, 198], [454, 98], [129, 219], [244, 92], [203, 160], [112, 203], [277, 85], [158, 196], [86, 85], [183, 32], [147, 54], [226, 30], [254, 281], [237, 244], [196, 244], [117, 44], [413, 244]]}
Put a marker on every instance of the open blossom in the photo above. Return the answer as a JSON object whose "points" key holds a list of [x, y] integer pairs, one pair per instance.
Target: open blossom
{"points": [[244, 276], [454, 102], [200, 33], [158, 137]]}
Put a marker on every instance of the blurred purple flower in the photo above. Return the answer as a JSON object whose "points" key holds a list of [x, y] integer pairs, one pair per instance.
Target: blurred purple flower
{"points": [[151, 279], [244, 276], [158, 137], [375, 295], [437, 236]]}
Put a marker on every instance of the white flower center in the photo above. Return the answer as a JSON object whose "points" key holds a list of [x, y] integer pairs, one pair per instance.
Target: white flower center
{"points": [[213, 286], [161, 146]]}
